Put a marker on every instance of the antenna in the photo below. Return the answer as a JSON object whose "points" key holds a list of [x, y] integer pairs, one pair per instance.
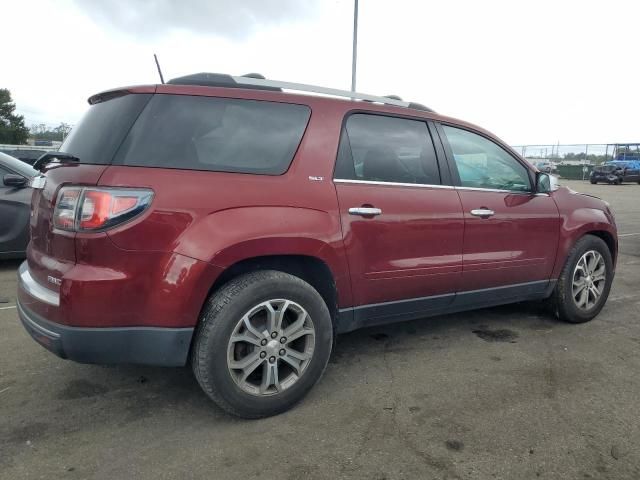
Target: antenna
{"points": [[159, 69]]}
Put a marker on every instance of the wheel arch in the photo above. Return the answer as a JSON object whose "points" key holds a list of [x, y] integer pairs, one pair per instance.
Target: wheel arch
{"points": [[313, 270], [609, 239]]}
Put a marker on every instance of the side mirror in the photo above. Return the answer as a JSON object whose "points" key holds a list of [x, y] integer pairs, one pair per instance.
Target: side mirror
{"points": [[546, 183], [16, 181]]}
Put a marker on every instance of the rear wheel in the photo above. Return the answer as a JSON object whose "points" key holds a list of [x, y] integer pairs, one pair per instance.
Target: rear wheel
{"points": [[593, 182], [263, 342], [585, 281]]}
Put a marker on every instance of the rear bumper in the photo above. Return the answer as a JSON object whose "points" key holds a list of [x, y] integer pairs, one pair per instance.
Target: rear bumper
{"points": [[136, 345]]}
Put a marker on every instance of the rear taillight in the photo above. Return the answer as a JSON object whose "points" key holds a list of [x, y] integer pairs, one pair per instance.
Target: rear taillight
{"points": [[92, 209]]}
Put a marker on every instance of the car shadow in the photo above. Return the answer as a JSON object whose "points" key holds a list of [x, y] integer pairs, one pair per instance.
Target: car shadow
{"points": [[494, 324], [137, 393]]}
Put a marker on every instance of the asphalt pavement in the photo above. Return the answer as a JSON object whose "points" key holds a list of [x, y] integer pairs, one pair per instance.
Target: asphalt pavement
{"points": [[506, 393]]}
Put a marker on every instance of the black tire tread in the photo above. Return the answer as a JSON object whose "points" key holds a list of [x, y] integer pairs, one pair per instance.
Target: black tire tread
{"points": [[207, 327], [560, 294]]}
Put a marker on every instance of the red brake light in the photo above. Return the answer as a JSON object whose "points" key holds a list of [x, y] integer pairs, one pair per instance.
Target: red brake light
{"points": [[122, 204], [91, 209], [96, 206]]}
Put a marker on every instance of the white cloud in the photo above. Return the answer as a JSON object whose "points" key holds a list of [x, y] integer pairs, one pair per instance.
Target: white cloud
{"points": [[530, 71]]}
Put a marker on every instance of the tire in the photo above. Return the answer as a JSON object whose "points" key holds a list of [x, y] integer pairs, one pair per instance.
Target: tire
{"points": [[593, 182], [562, 299], [213, 350]]}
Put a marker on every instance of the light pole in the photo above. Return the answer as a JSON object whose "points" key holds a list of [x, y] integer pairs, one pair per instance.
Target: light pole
{"points": [[355, 46]]}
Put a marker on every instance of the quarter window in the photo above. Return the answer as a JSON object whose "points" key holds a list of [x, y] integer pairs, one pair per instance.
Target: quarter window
{"points": [[215, 134], [484, 164], [387, 149]]}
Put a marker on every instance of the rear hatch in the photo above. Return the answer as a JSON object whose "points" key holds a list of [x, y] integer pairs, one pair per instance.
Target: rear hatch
{"points": [[94, 141]]}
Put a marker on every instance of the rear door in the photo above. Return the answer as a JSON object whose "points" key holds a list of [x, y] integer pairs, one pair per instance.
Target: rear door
{"points": [[511, 233], [402, 227]]}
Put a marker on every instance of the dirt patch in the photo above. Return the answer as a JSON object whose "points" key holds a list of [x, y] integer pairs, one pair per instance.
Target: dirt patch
{"points": [[454, 445], [81, 389], [502, 335]]}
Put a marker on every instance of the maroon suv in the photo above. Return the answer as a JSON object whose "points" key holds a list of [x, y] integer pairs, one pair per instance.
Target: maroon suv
{"points": [[222, 222]]}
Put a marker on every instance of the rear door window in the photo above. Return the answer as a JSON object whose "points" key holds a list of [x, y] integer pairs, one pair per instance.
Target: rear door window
{"points": [[215, 134], [387, 149]]}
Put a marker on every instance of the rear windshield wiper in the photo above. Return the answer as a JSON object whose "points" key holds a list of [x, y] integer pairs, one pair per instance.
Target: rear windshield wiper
{"points": [[62, 157]]}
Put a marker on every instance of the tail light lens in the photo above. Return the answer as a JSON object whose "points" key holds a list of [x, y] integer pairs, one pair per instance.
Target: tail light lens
{"points": [[82, 209]]}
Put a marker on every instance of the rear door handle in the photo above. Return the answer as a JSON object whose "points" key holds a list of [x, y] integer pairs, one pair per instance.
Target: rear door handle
{"points": [[482, 212], [365, 211]]}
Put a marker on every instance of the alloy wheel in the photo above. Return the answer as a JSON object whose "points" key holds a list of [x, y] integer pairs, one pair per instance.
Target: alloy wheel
{"points": [[270, 347], [589, 278]]}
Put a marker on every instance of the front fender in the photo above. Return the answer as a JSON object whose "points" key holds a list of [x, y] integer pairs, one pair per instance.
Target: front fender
{"points": [[577, 221]]}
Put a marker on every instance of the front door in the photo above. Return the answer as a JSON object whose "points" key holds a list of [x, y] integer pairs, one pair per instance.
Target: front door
{"points": [[511, 233], [402, 228]]}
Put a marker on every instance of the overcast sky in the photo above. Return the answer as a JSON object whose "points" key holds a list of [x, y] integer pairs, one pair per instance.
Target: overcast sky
{"points": [[531, 71]]}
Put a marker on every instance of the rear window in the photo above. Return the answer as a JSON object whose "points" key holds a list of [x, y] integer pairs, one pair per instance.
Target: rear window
{"points": [[215, 134], [101, 131]]}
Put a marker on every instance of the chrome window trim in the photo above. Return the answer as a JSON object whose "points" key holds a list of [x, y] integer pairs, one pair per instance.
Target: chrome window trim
{"points": [[393, 184], [495, 190], [446, 187], [33, 288]]}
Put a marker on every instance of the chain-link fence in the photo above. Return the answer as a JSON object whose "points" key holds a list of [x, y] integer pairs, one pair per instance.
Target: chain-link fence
{"points": [[590, 153], [577, 161]]}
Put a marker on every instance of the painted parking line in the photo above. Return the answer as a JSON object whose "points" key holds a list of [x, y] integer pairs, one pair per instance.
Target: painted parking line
{"points": [[7, 308], [628, 234]]}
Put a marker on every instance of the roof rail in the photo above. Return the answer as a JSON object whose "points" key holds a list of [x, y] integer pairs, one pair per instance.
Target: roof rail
{"points": [[254, 81], [301, 87]]}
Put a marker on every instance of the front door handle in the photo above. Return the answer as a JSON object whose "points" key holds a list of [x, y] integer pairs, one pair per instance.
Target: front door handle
{"points": [[482, 212], [365, 211]]}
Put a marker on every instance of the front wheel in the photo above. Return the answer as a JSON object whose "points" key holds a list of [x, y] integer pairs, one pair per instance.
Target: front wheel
{"points": [[263, 341], [593, 182], [585, 281]]}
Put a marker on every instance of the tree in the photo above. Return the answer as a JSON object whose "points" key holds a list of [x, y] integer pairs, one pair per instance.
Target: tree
{"points": [[12, 127], [62, 130], [43, 132]]}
